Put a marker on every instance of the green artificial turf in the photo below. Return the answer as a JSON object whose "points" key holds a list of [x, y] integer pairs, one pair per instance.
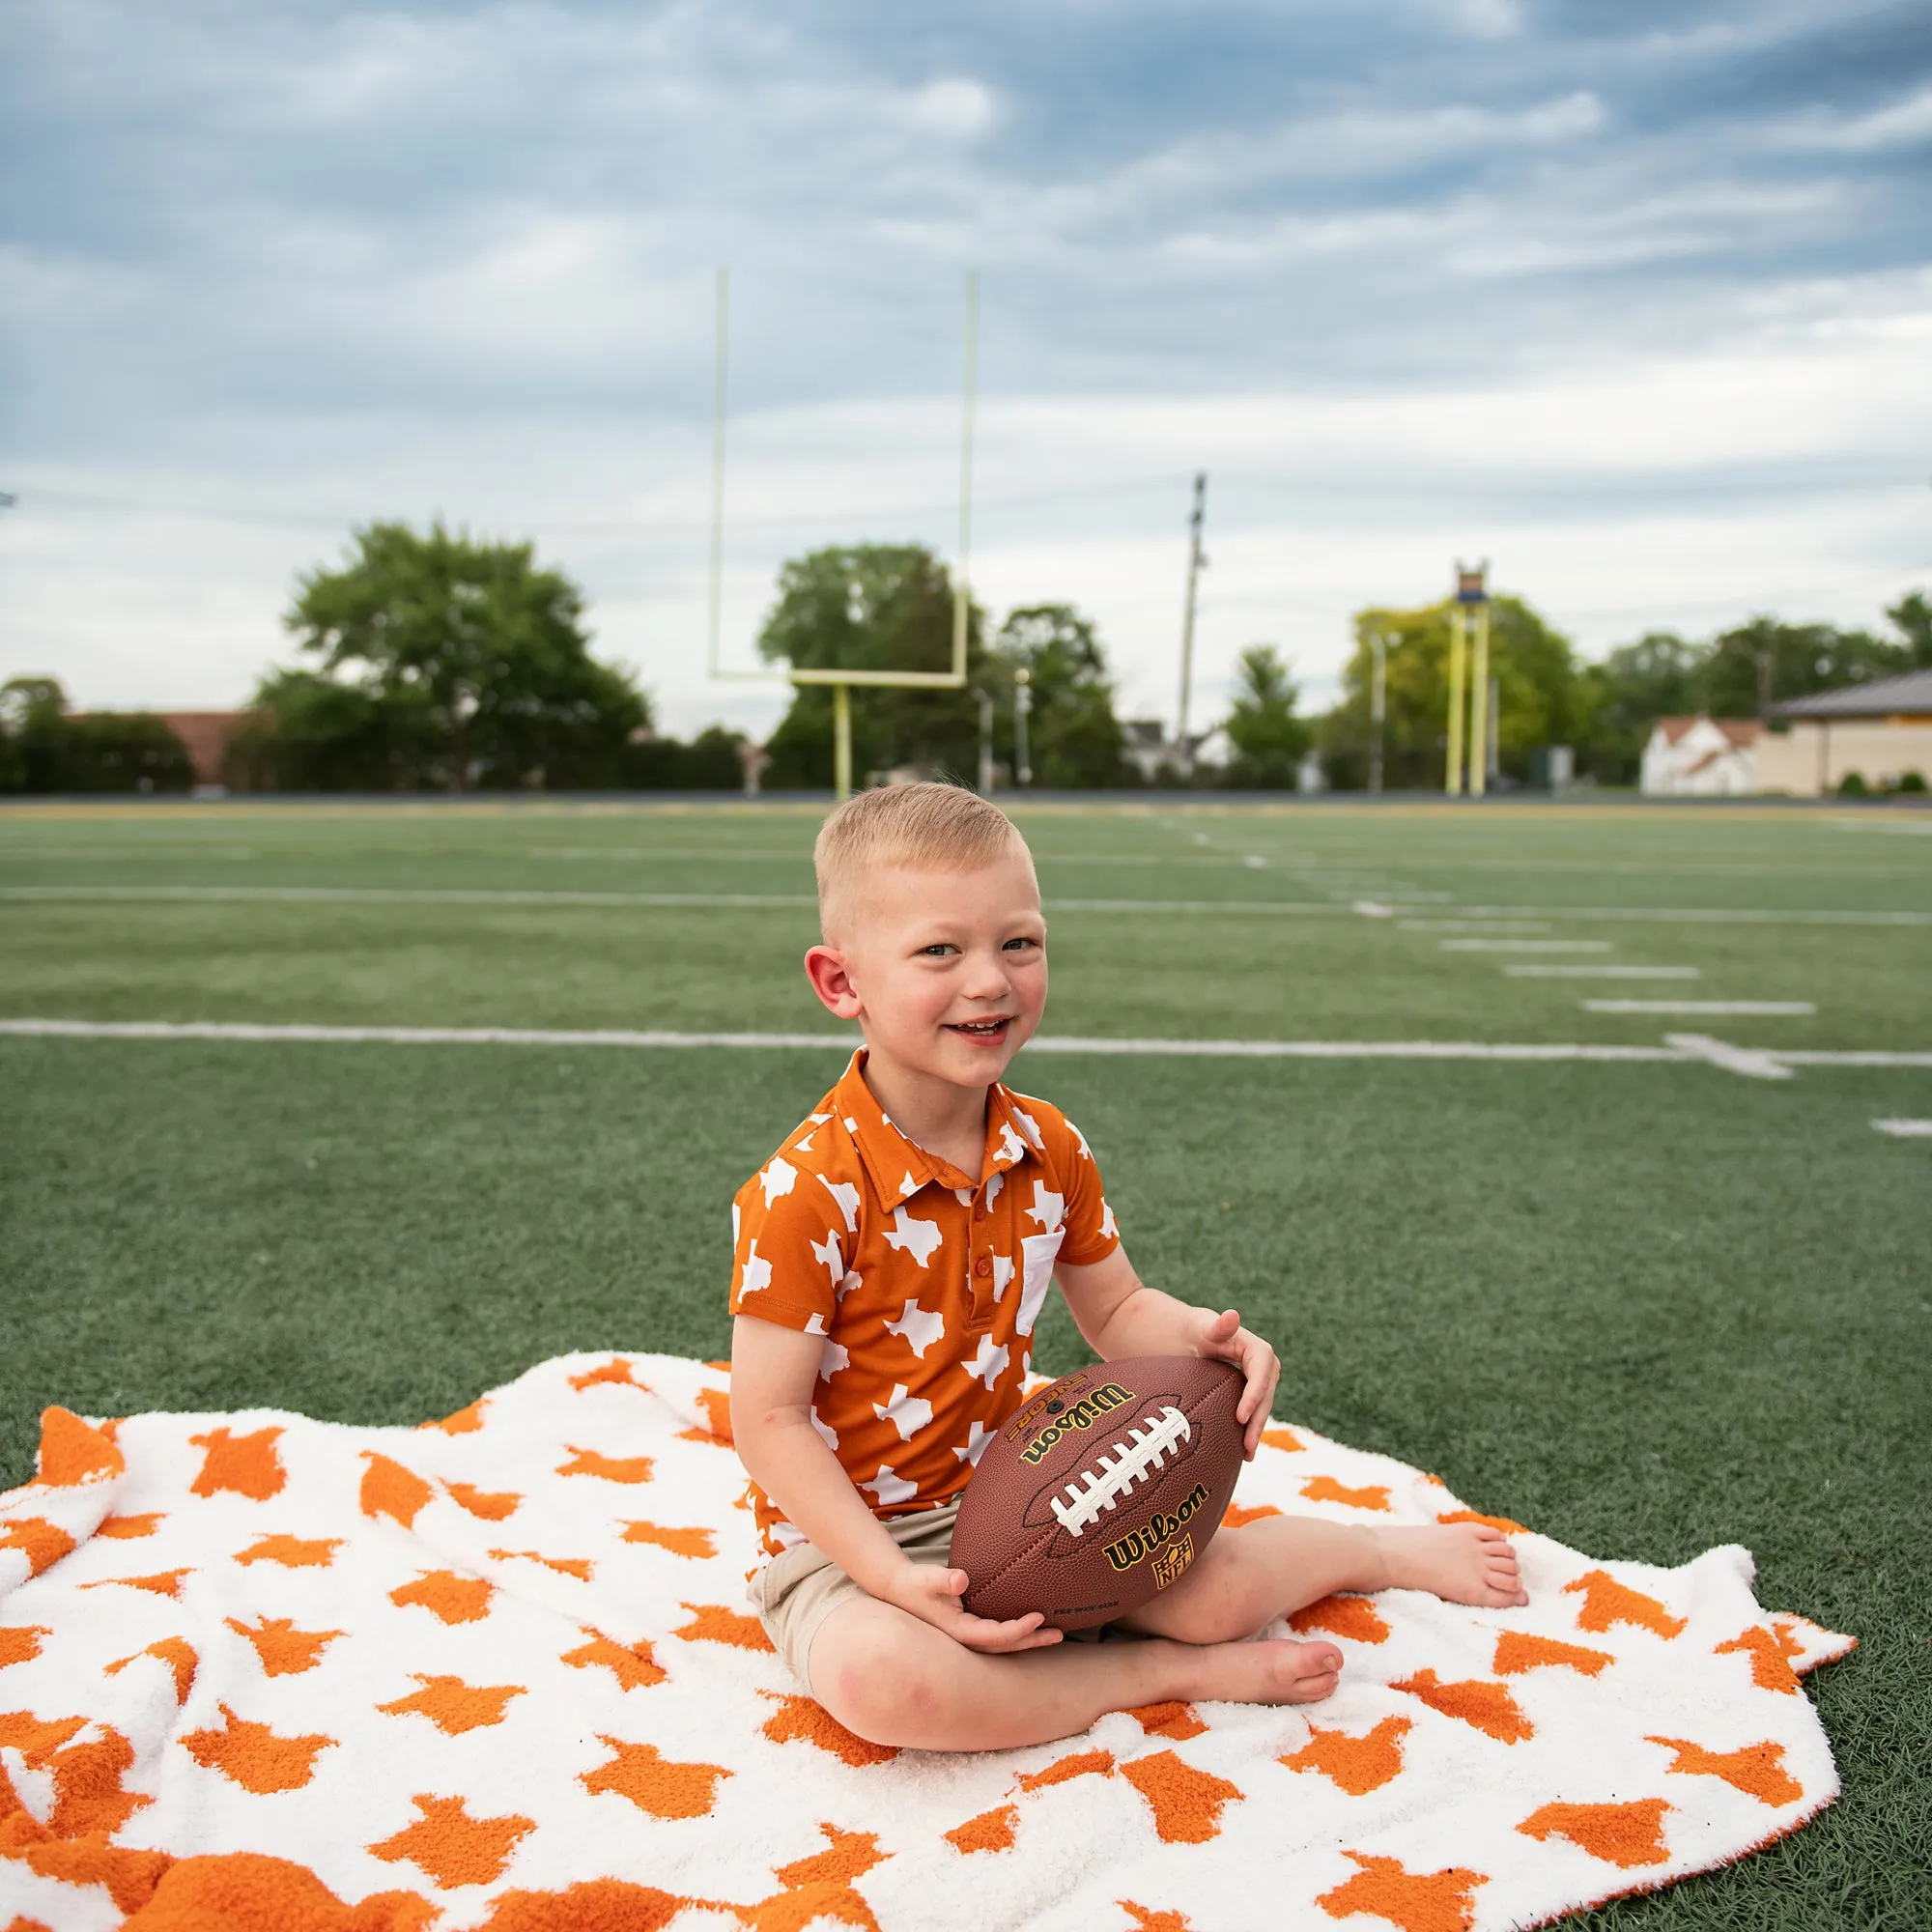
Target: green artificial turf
{"points": [[1646, 1308]]}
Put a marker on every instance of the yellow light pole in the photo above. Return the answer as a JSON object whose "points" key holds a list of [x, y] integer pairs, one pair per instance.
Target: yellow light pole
{"points": [[1479, 701], [1473, 597], [1452, 782]]}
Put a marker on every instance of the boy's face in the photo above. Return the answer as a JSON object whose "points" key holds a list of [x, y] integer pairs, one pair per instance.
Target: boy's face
{"points": [[946, 971]]}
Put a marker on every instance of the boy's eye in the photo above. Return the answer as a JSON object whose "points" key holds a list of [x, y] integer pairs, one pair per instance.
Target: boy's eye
{"points": [[937, 951], [1020, 944]]}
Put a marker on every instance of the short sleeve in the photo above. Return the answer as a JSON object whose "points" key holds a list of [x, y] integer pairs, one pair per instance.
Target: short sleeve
{"points": [[789, 1252], [1091, 1234]]}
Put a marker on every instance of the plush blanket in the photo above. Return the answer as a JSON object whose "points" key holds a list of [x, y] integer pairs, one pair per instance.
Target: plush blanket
{"points": [[265, 1674]]}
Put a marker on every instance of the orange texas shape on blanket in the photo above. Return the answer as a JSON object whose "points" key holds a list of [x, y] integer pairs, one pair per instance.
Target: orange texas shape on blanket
{"points": [[446, 1596], [20, 1644], [1488, 1706], [72, 1451], [1520, 1651], [634, 1665], [453, 1706], [161, 1583], [452, 1847], [175, 1652], [130, 1527], [804, 1717], [254, 1757], [247, 1466], [1757, 1770], [392, 1490], [1770, 1668], [1357, 1765], [1415, 1901], [655, 1783], [42, 1543], [88, 1795], [1627, 1835], [292, 1552], [609, 1469], [284, 1650], [1606, 1602]]}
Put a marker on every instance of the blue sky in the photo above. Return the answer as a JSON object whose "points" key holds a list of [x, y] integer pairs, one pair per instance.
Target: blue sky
{"points": [[1635, 300]]}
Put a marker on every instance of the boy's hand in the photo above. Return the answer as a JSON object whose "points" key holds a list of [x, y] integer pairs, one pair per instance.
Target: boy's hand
{"points": [[932, 1595], [1223, 1339]]}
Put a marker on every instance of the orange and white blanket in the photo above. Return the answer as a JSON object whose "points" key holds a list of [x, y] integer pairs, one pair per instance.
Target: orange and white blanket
{"points": [[264, 1674]]}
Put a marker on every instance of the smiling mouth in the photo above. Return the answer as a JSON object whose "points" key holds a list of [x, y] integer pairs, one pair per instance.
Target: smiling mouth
{"points": [[982, 1029]]}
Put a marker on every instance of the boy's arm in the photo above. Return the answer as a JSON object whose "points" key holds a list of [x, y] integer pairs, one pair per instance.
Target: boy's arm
{"points": [[1119, 1315], [774, 1370]]}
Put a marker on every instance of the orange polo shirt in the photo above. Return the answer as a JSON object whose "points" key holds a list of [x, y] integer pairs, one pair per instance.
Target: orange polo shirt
{"points": [[925, 1282]]}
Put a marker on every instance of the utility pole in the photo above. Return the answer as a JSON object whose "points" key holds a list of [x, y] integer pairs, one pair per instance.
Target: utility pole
{"points": [[1196, 563], [1377, 707], [985, 699], [1022, 705]]}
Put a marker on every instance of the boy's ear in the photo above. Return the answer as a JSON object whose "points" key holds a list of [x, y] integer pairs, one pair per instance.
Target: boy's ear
{"points": [[825, 967]]}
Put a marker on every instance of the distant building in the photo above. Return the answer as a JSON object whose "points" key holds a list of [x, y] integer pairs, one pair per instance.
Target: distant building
{"points": [[1702, 758], [1154, 754], [1880, 731], [204, 736]]}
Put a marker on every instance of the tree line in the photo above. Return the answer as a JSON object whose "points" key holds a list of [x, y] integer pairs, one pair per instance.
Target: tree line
{"points": [[435, 662]]}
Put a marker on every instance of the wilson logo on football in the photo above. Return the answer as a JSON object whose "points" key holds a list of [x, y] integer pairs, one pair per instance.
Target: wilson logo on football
{"points": [[1141, 1544], [1137, 1544], [1147, 1445], [1082, 1414]]}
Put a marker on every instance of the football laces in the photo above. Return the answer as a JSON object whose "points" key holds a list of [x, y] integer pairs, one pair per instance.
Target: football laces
{"points": [[1147, 1445]]}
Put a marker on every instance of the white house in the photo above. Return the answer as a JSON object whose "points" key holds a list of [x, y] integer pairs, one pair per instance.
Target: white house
{"points": [[1701, 757]]}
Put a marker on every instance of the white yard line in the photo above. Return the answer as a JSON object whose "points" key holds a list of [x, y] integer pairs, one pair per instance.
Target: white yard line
{"points": [[398, 895], [1906, 1130], [1604, 972], [1816, 1057], [1756, 1009], [1677, 1048], [1525, 946], [1370, 908], [1748, 1061], [1472, 925], [1701, 915]]}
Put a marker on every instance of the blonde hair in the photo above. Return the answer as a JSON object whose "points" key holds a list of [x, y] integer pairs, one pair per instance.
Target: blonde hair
{"points": [[925, 828]]}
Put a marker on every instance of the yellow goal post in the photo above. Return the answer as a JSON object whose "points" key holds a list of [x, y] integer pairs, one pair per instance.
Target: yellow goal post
{"points": [[841, 680]]}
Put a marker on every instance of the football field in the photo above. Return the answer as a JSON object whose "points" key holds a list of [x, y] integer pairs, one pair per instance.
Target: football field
{"points": [[1580, 1154]]}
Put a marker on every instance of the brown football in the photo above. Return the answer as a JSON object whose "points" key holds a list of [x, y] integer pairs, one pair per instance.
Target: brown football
{"points": [[1101, 1491]]}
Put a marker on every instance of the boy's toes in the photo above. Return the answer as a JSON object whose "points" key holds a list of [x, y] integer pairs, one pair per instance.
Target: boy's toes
{"points": [[1309, 1672]]}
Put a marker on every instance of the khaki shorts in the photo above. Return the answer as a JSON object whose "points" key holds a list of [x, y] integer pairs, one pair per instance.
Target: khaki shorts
{"points": [[799, 1589], [796, 1591]]}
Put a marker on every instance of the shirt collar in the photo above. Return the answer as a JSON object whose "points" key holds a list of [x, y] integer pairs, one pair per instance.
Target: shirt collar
{"points": [[899, 1166]]}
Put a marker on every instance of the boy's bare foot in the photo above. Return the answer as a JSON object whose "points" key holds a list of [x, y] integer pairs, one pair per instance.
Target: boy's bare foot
{"points": [[1272, 1671], [1460, 1562]]}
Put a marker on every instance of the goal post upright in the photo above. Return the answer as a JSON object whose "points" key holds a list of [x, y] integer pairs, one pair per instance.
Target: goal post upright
{"points": [[840, 678]]}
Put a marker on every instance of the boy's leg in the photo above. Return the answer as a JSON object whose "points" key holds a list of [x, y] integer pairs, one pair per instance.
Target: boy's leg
{"points": [[896, 1681], [1248, 1576]]}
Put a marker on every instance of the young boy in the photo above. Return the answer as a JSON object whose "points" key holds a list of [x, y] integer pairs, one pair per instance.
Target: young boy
{"points": [[891, 1263]]}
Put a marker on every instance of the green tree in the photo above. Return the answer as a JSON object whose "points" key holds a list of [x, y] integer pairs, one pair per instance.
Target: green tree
{"points": [[1270, 740], [1911, 618], [1543, 697], [1074, 742], [46, 748], [1755, 665], [32, 726], [443, 662], [870, 606], [1661, 675]]}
